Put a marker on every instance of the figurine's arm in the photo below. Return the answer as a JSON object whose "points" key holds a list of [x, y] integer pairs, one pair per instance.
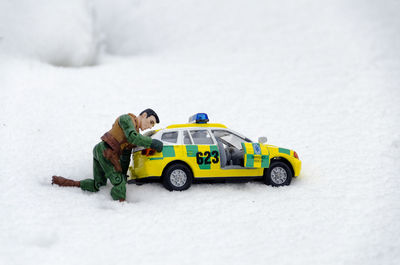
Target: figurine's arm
{"points": [[133, 137]]}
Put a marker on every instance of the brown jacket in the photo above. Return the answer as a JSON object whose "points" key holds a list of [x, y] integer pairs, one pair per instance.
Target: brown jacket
{"points": [[117, 141], [118, 134]]}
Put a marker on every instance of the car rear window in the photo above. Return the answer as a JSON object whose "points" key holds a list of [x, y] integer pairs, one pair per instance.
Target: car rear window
{"points": [[170, 137]]}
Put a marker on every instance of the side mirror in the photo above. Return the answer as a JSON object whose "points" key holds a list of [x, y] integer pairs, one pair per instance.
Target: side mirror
{"points": [[262, 140]]}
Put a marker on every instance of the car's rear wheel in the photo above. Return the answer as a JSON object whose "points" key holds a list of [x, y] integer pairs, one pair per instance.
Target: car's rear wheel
{"points": [[177, 177], [278, 174]]}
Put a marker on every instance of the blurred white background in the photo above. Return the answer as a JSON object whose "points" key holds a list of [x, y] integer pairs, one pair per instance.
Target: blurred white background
{"points": [[319, 77]]}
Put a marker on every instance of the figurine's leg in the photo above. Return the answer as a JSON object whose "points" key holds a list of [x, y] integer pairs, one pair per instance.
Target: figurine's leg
{"points": [[125, 160], [107, 169], [99, 180], [99, 175], [117, 179]]}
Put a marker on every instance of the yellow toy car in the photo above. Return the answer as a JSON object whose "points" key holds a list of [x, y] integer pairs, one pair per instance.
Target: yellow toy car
{"points": [[200, 150]]}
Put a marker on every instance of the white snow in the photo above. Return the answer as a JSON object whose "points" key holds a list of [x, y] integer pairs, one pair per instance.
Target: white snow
{"points": [[320, 77]]}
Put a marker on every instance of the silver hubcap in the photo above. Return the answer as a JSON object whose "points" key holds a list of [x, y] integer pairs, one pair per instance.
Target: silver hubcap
{"points": [[178, 178], [278, 175]]}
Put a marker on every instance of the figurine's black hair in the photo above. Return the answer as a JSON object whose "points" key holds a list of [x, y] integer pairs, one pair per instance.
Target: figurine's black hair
{"points": [[151, 112]]}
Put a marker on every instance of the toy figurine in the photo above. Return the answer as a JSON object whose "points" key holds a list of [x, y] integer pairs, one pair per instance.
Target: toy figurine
{"points": [[111, 157]]}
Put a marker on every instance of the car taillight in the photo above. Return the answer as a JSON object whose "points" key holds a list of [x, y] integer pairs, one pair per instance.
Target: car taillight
{"points": [[295, 155], [148, 152]]}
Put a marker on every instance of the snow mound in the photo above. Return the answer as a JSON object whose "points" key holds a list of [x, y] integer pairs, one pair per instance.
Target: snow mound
{"points": [[61, 33]]}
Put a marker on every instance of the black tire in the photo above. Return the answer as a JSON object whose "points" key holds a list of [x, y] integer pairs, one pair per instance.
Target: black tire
{"points": [[177, 177], [278, 174]]}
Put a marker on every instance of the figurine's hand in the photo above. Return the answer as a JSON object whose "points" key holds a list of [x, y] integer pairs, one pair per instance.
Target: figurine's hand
{"points": [[156, 144]]}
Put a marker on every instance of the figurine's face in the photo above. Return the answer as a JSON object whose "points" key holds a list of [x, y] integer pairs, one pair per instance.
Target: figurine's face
{"points": [[147, 122]]}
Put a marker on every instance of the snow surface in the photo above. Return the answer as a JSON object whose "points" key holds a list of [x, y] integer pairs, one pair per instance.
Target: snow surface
{"points": [[320, 77]]}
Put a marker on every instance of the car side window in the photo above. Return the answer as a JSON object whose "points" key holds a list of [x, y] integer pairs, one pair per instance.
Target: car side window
{"points": [[201, 137], [229, 139], [170, 137], [186, 138]]}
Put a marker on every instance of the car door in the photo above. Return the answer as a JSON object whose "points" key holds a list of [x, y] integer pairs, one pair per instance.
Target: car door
{"points": [[230, 146], [202, 152]]}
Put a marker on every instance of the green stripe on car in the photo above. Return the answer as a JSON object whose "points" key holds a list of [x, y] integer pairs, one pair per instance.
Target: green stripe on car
{"points": [[156, 158], [213, 148], [284, 151], [250, 160], [264, 161], [191, 150], [168, 151], [244, 148]]}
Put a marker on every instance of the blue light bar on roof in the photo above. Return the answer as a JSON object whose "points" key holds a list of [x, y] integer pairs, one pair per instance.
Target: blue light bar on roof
{"points": [[199, 118]]}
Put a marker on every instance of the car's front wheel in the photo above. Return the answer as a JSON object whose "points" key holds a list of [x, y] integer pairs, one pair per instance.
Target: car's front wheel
{"points": [[278, 174], [177, 177]]}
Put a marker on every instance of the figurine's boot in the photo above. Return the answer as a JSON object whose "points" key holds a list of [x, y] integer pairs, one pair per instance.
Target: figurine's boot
{"points": [[60, 181]]}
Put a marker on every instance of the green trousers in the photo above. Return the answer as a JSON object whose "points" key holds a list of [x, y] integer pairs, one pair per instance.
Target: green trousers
{"points": [[103, 170]]}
